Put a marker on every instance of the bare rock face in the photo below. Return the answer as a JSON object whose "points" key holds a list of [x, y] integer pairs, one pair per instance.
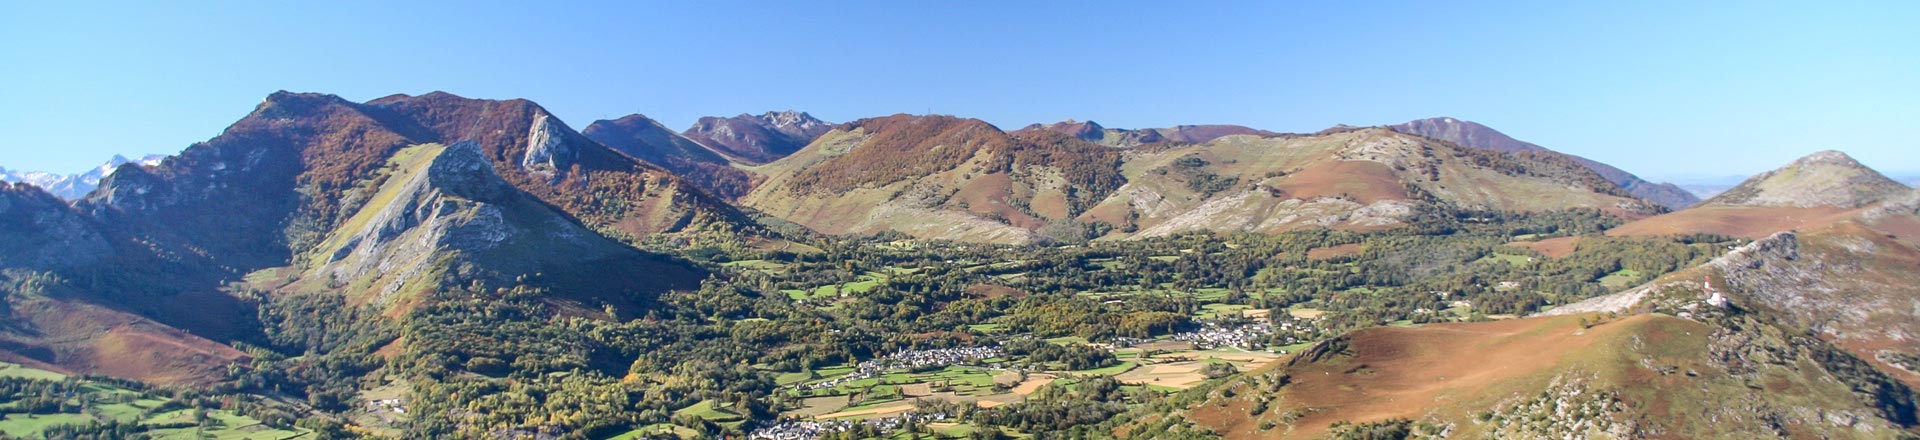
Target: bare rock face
{"points": [[547, 149], [38, 230], [1827, 178]]}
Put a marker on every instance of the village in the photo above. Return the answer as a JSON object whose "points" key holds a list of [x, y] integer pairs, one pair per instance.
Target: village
{"points": [[913, 360], [808, 430]]}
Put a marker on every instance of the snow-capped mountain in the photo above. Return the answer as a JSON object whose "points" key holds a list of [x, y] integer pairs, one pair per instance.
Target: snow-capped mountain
{"points": [[73, 186]]}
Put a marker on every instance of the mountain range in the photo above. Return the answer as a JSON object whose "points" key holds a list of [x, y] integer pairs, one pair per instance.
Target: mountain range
{"points": [[514, 277], [74, 186]]}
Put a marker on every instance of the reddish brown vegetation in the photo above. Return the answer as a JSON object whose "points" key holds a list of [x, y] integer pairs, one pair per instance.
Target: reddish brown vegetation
{"points": [[1345, 250], [1751, 222], [1557, 247], [1389, 372], [1363, 181]]}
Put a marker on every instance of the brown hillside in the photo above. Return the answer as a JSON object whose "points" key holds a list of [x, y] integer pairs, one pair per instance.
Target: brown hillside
{"points": [[1356, 179], [1750, 222], [1641, 376], [1407, 372], [1557, 247], [1365, 182], [78, 337], [937, 177]]}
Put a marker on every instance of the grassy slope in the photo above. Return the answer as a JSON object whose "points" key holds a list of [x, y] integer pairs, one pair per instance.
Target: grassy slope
{"points": [[1286, 183], [1423, 373], [139, 408]]}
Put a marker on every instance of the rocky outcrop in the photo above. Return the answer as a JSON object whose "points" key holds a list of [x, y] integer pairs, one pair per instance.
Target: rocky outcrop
{"points": [[547, 147]]}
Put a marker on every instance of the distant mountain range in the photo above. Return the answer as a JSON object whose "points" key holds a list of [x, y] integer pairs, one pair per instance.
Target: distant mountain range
{"points": [[73, 186]]}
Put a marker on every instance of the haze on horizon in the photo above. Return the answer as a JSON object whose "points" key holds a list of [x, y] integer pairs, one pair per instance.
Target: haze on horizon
{"points": [[1659, 90]]}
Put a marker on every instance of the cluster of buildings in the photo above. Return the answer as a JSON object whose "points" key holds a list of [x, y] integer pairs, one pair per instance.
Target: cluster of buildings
{"points": [[809, 430], [913, 360], [1252, 335], [395, 405]]}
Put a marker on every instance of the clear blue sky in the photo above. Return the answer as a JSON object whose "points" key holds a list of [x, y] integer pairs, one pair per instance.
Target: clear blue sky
{"points": [[1656, 88]]}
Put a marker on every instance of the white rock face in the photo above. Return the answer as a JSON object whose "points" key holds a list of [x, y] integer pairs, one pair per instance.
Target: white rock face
{"points": [[547, 149], [795, 123]]}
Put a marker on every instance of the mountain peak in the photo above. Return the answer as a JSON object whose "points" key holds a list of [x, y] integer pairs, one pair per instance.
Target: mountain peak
{"points": [[758, 139], [1825, 178], [463, 170], [1464, 132], [1476, 135], [1828, 157], [1085, 130]]}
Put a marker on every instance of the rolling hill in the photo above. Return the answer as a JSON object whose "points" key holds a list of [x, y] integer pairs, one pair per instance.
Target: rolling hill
{"points": [[1639, 376], [1358, 179], [937, 177], [1813, 191], [950, 178], [1474, 135]]}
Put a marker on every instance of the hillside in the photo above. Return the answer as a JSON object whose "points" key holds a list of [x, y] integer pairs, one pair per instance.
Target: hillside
{"points": [[647, 140], [1826, 178], [937, 177], [1850, 280], [1127, 138], [1813, 191], [758, 139], [158, 251], [1359, 179], [1641, 376], [1471, 134], [51, 323], [950, 178], [444, 219]]}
